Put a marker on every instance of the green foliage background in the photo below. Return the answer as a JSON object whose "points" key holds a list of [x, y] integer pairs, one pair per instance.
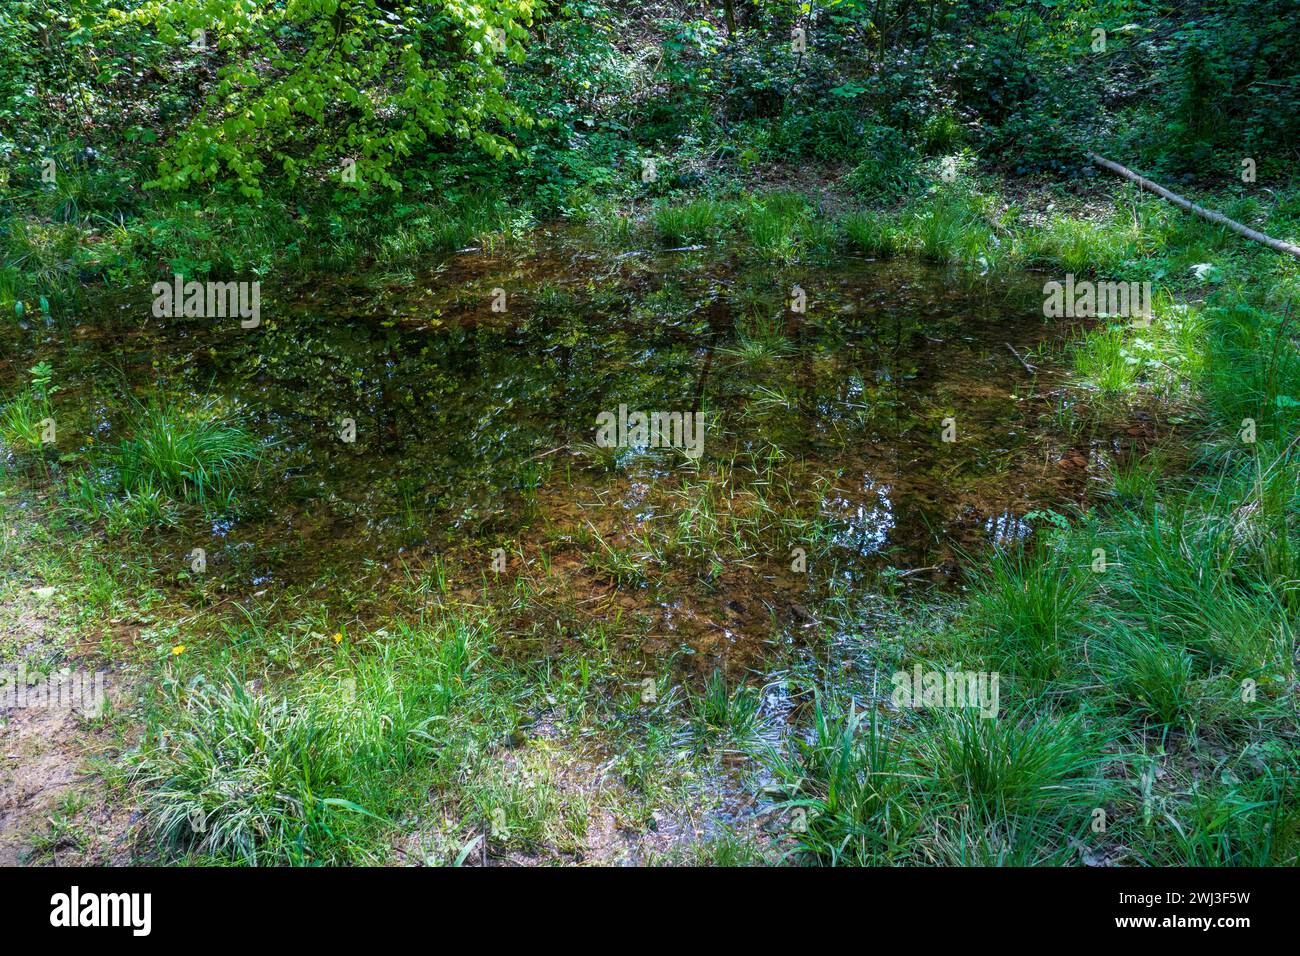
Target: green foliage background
{"points": [[305, 130]]}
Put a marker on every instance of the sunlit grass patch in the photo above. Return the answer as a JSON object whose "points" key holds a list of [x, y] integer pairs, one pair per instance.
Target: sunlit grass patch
{"points": [[21, 422], [1108, 359], [27, 419], [314, 771], [192, 454], [1081, 247], [696, 221], [520, 805], [1167, 357]]}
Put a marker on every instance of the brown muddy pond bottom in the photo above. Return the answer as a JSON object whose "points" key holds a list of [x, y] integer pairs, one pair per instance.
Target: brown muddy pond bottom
{"points": [[858, 419]]}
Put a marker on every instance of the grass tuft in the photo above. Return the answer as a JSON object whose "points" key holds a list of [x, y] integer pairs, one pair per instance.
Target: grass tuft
{"points": [[193, 455]]}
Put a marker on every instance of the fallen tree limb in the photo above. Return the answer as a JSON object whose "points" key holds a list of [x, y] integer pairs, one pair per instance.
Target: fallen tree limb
{"points": [[1208, 214]]}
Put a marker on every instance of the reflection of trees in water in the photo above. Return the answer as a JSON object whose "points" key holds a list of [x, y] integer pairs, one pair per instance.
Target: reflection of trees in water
{"points": [[453, 418]]}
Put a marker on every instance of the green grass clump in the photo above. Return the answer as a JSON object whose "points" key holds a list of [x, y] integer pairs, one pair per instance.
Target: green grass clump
{"points": [[193, 455], [941, 134], [1029, 606], [1151, 676], [1082, 247], [777, 227], [722, 711], [516, 808], [314, 771], [439, 230], [248, 778], [1022, 764], [39, 259], [21, 422], [847, 792], [760, 337], [697, 221], [725, 849], [955, 228], [873, 235], [1107, 359], [625, 565], [1182, 580], [1253, 368], [24, 418]]}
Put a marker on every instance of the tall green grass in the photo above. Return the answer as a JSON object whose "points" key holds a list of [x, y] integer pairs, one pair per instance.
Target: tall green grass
{"points": [[193, 454], [782, 227], [724, 711], [1082, 247], [848, 793], [24, 417], [20, 421], [1024, 763], [873, 234], [696, 221], [858, 790], [316, 771], [1029, 606]]}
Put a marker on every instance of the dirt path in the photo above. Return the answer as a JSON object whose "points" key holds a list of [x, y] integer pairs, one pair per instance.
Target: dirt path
{"points": [[53, 807]]}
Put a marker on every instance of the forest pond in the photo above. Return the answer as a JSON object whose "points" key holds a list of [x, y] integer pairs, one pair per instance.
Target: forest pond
{"points": [[862, 421]]}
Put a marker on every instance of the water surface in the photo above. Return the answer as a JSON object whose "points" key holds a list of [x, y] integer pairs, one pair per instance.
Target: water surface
{"points": [[475, 429]]}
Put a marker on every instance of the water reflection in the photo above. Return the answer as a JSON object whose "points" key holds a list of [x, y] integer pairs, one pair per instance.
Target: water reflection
{"points": [[475, 427]]}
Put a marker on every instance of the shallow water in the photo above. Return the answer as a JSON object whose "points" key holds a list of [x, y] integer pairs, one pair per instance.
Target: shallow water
{"points": [[475, 428]]}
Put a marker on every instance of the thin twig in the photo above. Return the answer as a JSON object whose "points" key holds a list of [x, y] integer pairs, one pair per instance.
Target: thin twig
{"points": [[1028, 368]]}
